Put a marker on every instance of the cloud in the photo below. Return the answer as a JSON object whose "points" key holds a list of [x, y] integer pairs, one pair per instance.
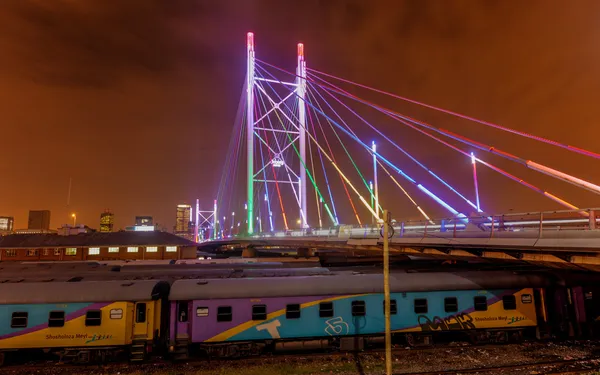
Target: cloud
{"points": [[93, 44]]}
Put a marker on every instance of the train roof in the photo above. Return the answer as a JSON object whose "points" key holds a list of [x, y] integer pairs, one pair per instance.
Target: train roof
{"points": [[351, 283], [90, 272], [91, 291]]}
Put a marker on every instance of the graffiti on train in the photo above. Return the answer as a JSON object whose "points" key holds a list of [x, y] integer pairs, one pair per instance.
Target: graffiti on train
{"points": [[449, 323]]}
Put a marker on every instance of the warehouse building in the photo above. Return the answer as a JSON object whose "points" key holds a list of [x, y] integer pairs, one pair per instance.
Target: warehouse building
{"points": [[96, 246]]}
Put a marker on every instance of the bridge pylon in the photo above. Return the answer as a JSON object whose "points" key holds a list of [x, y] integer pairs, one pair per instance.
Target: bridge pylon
{"points": [[293, 129]]}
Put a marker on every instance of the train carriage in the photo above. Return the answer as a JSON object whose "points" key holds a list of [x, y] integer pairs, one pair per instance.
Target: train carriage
{"points": [[226, 318], [81, 321]]}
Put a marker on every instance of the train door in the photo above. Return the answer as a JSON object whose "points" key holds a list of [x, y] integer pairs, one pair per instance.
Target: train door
{"points": [[182, 318], [141, 321]]}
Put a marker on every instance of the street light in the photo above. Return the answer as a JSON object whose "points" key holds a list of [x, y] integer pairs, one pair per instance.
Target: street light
{"points": [[74, 216]]}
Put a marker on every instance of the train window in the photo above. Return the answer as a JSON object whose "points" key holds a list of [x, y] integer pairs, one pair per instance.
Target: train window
{"points": [[56, 319], [140, 313], [182, 309], [420, 306], [292, 311], [116, 313], [201, 312], [450, 304], [224, 314], [393, 307], [480, 303], [19, 320], [259, 312], [326, 309], [93, 318], [359, 308], [509, 302]]}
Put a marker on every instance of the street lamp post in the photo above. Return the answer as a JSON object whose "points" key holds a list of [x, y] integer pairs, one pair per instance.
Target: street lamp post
{"points": [[74, 216]]}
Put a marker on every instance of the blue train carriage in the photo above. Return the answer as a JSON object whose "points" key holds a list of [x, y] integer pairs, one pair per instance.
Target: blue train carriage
{"points": [[227, 317], [81, 321]]}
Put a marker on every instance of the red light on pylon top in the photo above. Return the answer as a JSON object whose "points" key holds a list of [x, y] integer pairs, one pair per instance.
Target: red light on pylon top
{"points": [[250, 40], [300, 50]]}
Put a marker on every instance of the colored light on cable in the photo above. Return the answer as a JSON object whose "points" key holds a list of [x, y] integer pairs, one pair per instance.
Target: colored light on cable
{"points": [[437, 199], [563, 176]]}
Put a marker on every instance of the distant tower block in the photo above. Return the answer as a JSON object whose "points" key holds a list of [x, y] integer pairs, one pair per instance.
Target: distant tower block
{"points": [[107, 221]]}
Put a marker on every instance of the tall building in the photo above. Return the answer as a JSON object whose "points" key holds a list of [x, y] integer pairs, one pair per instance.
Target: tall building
{"points": [[144, 221], [6, 223], [107, 221], [183, 218], [39, 219], [184, 224]]}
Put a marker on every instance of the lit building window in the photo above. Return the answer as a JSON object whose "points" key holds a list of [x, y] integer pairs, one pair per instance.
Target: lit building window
{"points": [[32, 253], [113, 249], [151, 249], [11, 253], [46, 252], [132, 249], [171, 249], [56, 251], [71, 251], [94, 251]]}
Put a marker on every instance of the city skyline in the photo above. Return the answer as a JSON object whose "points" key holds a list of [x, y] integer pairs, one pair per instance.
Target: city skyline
{"points": [[139, 113]]}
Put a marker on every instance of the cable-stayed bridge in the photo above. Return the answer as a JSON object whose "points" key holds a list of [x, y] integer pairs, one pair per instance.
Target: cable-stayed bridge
{"points": [[303, 164]]}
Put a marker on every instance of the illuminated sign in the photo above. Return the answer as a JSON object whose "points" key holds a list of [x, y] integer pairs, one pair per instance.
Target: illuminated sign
{"points": [[277, 162], [143, 228]]}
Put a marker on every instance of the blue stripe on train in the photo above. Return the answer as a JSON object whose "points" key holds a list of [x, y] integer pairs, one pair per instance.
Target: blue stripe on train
{"points": [[343, 323], [37, 315]]}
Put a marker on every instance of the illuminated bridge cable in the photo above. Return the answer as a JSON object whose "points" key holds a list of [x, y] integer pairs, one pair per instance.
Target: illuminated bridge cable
{"points": [[326, 206], [506, 174], [280, 150], [343, 146], [332, 217], [481, 146], [230, 167], [381, 157], [386, 161], [406, 153], [381, 165], [342, 92], [361, 198], [273, 169], [469, 118], [325, 172], [330, 150], [328, 185], [336, 221], [267, 197], [310, 176], [345, 150], [312, 167]]}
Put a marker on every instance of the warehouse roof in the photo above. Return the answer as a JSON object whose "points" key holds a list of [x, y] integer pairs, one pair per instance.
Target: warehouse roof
{"points": [[31, 241]]}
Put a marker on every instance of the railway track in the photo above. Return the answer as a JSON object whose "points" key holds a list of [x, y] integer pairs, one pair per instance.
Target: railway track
{"points": [[550, 367], [446, 356]]}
